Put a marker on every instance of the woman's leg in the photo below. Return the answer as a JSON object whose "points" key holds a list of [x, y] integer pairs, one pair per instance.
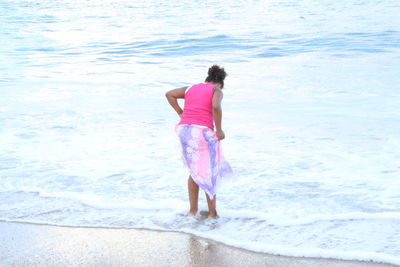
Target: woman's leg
{"points": [[193, 189], [212, 206]]}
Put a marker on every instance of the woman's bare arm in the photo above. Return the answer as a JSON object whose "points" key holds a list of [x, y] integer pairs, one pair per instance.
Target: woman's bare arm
{"points": [[172, 97], [217, 112]]}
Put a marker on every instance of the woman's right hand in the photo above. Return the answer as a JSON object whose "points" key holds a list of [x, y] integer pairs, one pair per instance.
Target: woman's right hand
{"points": [[220, 135]]}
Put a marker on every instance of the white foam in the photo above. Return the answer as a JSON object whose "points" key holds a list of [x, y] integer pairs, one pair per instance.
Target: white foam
{"points": [[98, 202], [281, 219]]}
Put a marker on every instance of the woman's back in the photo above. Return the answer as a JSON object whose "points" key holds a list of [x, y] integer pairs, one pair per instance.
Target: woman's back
{"points": [[198, 105]]}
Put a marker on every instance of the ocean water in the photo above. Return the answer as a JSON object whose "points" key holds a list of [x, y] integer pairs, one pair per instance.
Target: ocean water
{"points": [[311, 116]]}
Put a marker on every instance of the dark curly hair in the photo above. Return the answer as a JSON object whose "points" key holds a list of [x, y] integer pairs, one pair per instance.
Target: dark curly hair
{"points": [[216, 74]]}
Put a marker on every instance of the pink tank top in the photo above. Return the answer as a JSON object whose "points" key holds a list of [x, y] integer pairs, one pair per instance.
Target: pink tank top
{"points": [[198, 105]]}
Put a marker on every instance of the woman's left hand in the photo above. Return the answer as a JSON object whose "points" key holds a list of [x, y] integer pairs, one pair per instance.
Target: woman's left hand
{"points": [[220, 135]]}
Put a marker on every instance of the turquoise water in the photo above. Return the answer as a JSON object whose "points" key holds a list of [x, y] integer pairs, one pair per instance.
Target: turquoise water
{"points": [[311, 115]]}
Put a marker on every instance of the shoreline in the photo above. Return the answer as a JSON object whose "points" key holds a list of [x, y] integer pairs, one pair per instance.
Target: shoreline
{"points": [[27, 244]]}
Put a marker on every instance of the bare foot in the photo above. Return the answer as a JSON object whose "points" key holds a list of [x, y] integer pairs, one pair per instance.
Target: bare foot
{"points": [[192, 213], [212, 215]]}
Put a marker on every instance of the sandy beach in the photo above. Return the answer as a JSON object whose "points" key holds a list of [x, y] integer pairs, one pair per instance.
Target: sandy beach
{"points": [[23, 244]]}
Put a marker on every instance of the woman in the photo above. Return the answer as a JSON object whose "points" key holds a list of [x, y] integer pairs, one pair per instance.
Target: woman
{"points": [[201, 148]]}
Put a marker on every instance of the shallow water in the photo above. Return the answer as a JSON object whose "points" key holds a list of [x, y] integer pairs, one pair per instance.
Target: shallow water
{"points": [[311, 114]]}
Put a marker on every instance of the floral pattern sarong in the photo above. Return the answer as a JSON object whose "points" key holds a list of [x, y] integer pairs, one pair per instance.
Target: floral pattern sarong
{"points": [[202, 155]]}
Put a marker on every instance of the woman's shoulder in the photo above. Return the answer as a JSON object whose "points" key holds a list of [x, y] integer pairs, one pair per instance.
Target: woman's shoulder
{"points": [[217, 89], [209, 86]]}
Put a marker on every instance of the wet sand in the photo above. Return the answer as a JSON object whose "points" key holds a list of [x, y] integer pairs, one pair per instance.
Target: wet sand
{"points": [[24, 244]]}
